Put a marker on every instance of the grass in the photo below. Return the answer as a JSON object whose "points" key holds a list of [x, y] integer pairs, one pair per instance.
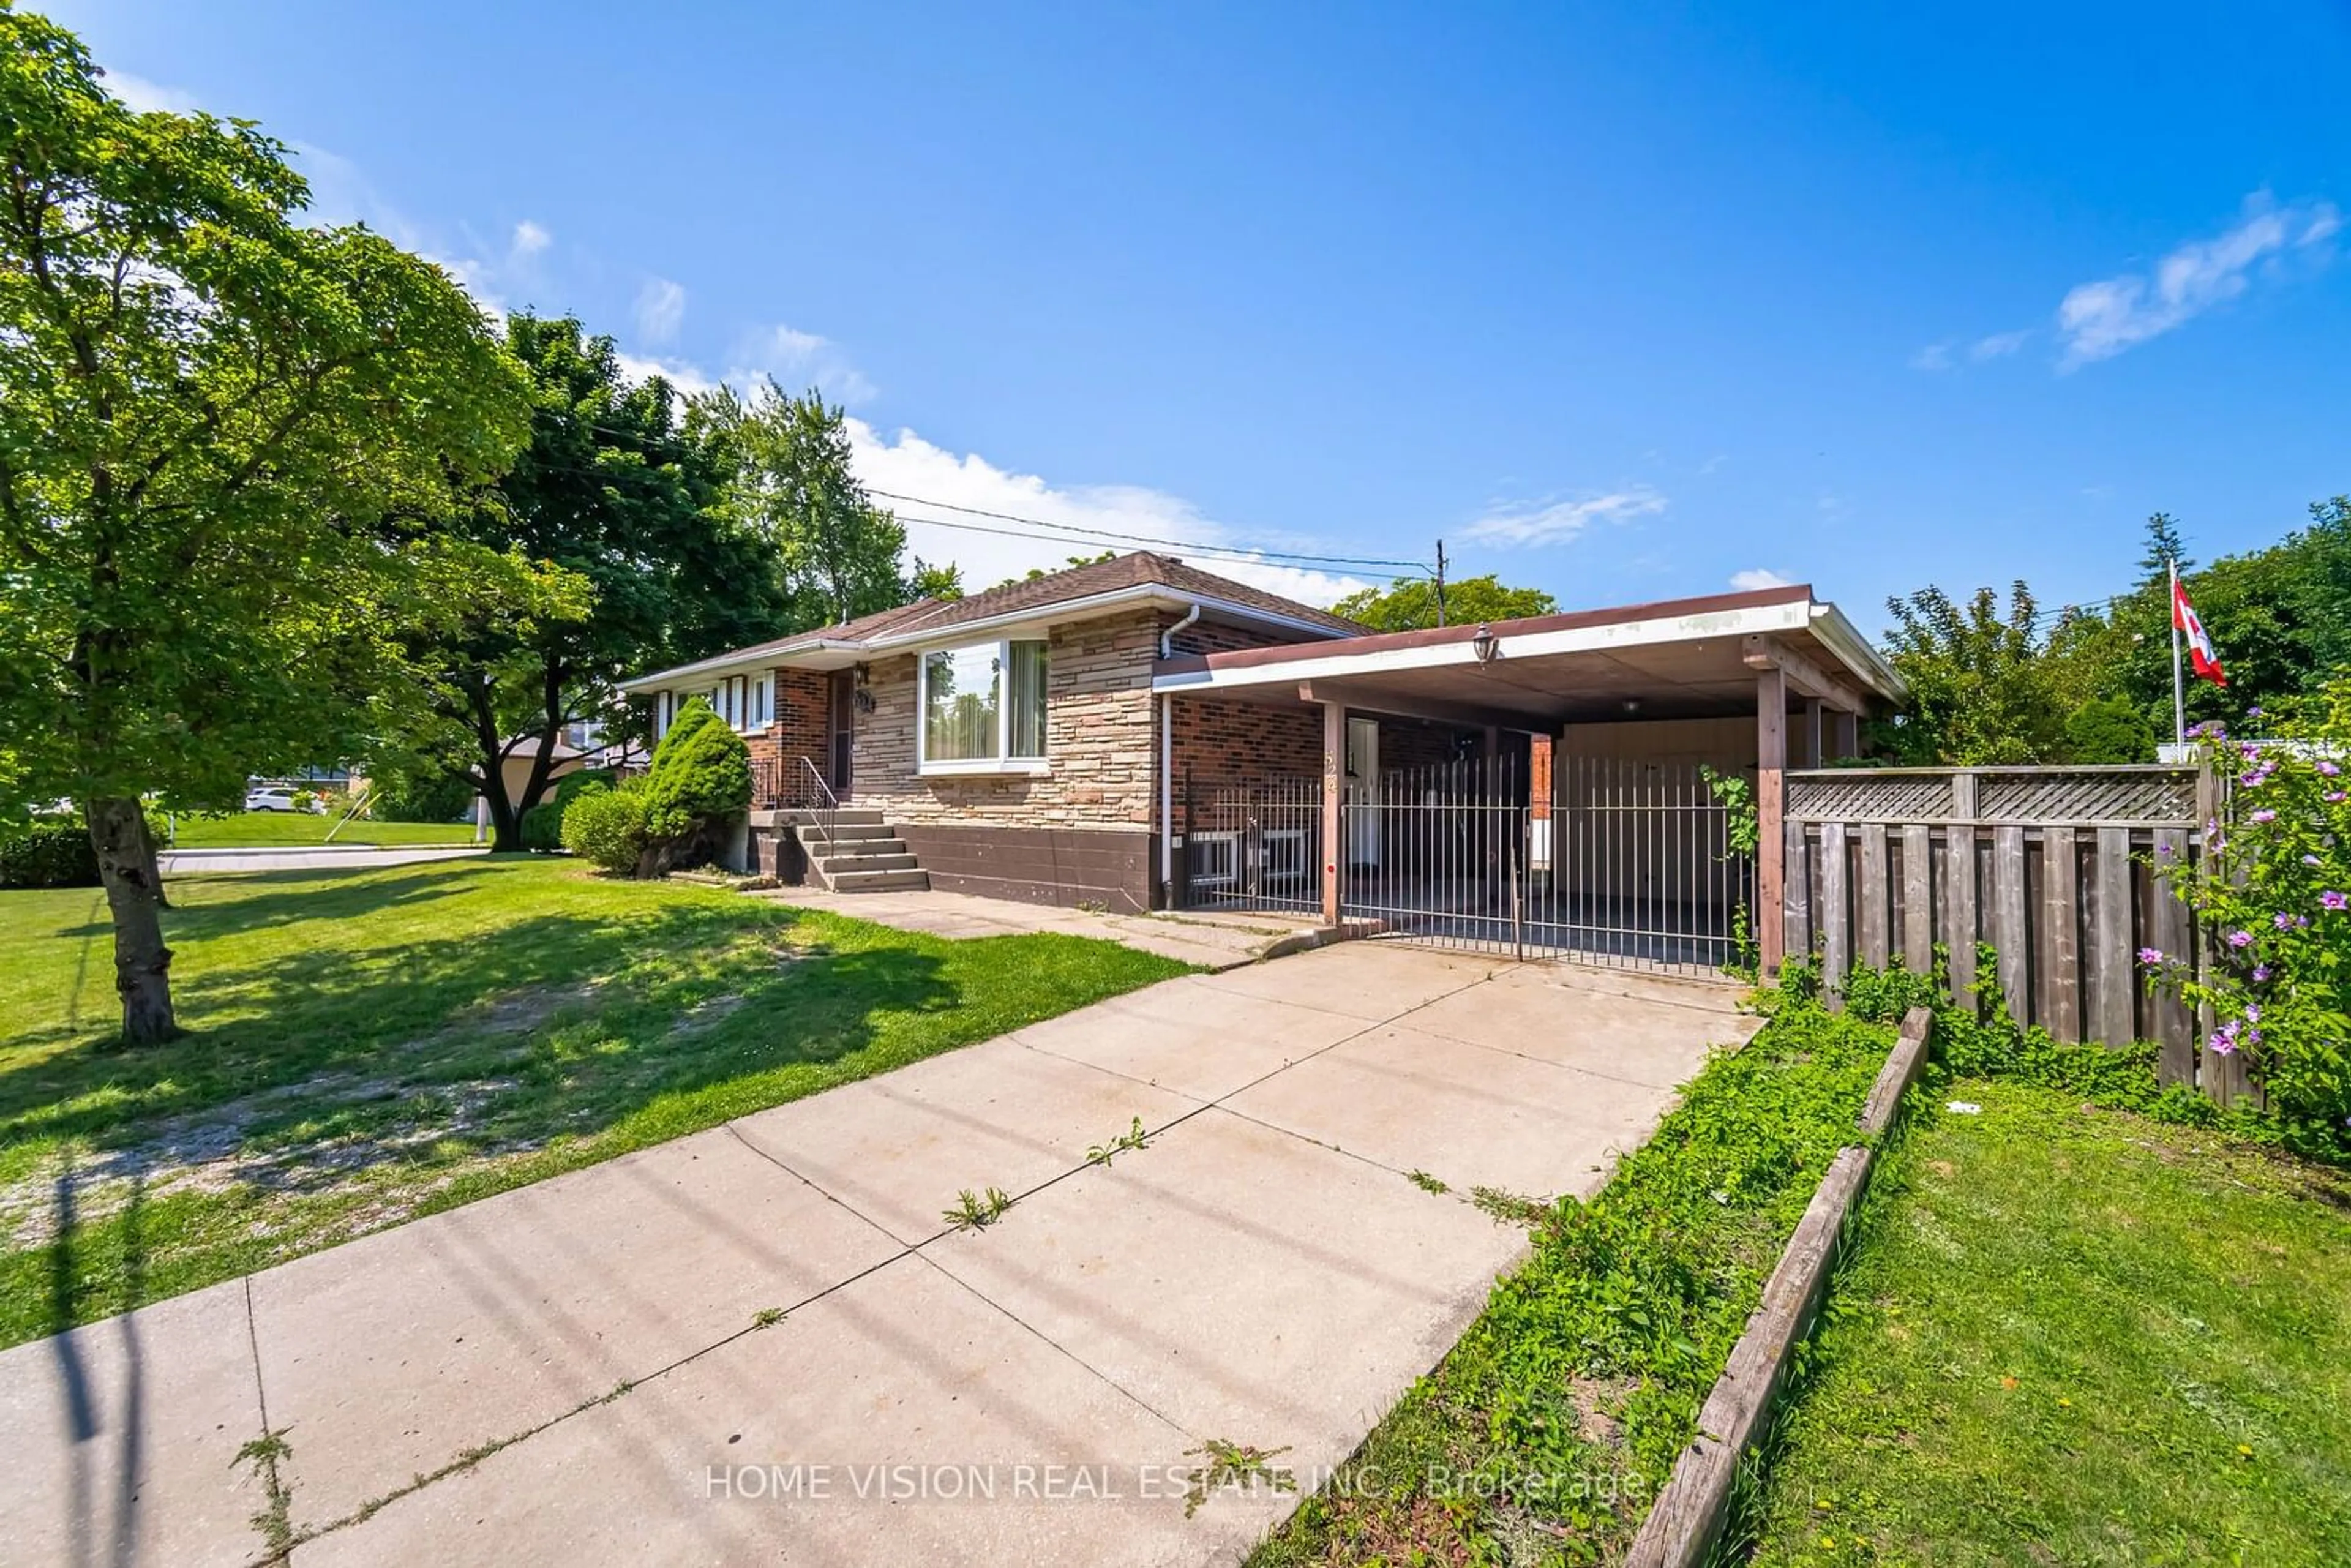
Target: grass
{"points": [[295, 829], [2079, 1337], [373, 1045], [1545, 1431]]}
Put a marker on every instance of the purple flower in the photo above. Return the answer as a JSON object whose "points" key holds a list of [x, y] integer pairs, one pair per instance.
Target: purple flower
{"points": [[2252, 1037], [2331, 899], [2151, 955], [2253, 1013], [2223, 1041], [2283, 921], [2253, 712], [2240, 938], [2310, 860], [2264, 816], [2261, 974], [2335, 796], [2163, 851], [2329, 770]]}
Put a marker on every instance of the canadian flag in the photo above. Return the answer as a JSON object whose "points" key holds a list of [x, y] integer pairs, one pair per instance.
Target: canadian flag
{"points": [[2201, 656]]}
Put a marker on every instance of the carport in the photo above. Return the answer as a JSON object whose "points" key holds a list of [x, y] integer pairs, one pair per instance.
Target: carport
{"points": [[1572, 786]]}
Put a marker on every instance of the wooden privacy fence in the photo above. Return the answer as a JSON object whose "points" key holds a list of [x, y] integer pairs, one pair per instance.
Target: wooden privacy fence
{"points": [[2065, 872]]}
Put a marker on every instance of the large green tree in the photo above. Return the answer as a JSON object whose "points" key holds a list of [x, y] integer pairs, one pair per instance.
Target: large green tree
{"points": [[793, 482], [626, 495], [1987, 682], [1410, 605], [224, 440]]}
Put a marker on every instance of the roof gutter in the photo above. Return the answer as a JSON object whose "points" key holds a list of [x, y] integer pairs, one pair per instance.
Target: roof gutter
{"points": [[1853, 650]]}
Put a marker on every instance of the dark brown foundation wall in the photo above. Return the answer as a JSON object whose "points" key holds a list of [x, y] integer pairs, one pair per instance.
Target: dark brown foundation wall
{"points": [[1067, 867]]}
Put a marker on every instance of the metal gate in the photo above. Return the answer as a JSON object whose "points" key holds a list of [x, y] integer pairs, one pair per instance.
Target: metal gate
{"points": [[1621, 862]]}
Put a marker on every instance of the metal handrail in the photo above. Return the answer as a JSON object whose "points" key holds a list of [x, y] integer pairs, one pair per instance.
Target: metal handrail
{"points": [[831, 808]]}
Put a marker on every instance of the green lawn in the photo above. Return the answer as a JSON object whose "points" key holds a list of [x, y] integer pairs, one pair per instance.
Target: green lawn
{"points": [[373, 1045], [1541, 1436], [284, 830], [2076, 1336]]}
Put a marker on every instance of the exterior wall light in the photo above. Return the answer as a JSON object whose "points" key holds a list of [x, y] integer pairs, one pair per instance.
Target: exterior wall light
{"points": [[1485, 645]]}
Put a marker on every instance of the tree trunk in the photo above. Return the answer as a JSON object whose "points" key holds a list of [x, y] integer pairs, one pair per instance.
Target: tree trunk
{"points": [[143, 964]]}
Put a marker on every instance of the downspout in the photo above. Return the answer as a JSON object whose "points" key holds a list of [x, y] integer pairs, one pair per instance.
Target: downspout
{"points": [[1168, 638], [1167, 800], [1167, 764]]}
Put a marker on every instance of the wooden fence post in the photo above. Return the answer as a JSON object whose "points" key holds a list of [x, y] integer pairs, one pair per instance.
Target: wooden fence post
{"points": [[1770, 812]]}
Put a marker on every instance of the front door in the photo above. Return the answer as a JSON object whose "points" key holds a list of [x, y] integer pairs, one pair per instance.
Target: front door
{"points": [[840, 729], [1364, 790]]}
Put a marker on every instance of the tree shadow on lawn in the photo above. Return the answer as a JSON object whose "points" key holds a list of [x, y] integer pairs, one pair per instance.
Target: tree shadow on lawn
{"points": [[596, 1010]]}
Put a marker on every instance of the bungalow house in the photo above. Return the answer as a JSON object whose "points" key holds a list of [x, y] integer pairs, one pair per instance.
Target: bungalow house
{"points": [[1142, 734]]}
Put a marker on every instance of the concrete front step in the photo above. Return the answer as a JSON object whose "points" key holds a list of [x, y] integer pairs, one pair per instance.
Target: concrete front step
{"points": [[879, 880], [847, 816], [845, 832], [841, 865]]}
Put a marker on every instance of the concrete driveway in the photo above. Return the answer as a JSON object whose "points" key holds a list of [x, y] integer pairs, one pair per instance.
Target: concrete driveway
{"points": [[763, 1342]]}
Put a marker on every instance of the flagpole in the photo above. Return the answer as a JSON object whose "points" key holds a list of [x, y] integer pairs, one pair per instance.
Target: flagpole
{"points": [[2178, 692]]}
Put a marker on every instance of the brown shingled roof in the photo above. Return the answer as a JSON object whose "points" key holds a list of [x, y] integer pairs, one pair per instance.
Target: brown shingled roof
{"points": [[1039, 593]]}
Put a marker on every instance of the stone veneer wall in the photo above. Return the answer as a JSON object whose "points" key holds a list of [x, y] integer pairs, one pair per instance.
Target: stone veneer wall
{"points": [[1100, 740]]}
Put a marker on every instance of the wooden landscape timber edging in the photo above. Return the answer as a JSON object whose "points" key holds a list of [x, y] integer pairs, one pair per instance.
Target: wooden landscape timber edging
{"points": [[1688, 1516]]}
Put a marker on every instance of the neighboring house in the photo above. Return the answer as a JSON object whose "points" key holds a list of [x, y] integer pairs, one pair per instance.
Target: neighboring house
{"points": [[1145, 735]]}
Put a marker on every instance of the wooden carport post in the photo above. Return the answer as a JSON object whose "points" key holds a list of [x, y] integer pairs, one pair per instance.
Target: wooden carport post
{"points": [[1771, 815], [1334, 774]]}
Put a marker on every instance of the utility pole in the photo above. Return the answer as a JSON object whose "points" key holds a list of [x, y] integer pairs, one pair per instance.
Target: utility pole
{"points": [[1440, 582]]}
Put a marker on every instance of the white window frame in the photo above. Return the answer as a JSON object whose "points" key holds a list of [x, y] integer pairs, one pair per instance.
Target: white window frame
{"points": [[1002, 762]]}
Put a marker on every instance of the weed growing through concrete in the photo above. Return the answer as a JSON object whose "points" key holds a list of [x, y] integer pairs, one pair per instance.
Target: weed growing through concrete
{"points": [[975, 1213], [1514, 1207], [1426, 1182], [275, 1520], [1125, 1143], [1237, 1465], [767, 1317]]}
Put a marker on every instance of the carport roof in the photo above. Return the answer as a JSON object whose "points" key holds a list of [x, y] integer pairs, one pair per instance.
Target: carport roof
{"points": [[1679, 658]]}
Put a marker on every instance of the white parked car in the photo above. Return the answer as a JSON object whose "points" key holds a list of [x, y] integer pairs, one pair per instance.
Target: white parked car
{"points": [[270, 799]]}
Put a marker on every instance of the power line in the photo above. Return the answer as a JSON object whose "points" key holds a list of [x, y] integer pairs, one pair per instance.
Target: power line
{"points": [[1114, 535], [1210, 552], [1241, 552]]}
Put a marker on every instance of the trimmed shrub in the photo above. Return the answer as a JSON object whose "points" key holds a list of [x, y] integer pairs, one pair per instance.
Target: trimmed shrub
{"points": [[436, 797], [542, 825], [606, 826], [51, 852], [700, 777], [542, 828]]}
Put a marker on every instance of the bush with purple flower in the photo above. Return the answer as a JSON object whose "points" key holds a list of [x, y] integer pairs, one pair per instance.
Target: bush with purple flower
{"points": [[2274, 892]]}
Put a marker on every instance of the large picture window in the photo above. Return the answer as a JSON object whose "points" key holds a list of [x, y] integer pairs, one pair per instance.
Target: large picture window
{"points": [[983, 707]]}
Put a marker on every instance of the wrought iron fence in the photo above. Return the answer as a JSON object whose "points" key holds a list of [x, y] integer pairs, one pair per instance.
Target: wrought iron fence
{"points": [[1438, 853], [1253, 845], [1643, 863], [1623, 863]]}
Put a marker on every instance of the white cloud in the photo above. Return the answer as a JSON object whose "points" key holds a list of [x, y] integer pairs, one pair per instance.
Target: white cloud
{"points": [[2100, 320], [685, 377], [145, 97], [906, 464], [1933, 357], [529, 239], [797, 360], [660, 310], [1756, 577], [1999, 346], [1556, 522]]}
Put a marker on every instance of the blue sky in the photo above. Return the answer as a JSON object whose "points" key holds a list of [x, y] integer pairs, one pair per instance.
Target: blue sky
{"points": [[1625, 302]]}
